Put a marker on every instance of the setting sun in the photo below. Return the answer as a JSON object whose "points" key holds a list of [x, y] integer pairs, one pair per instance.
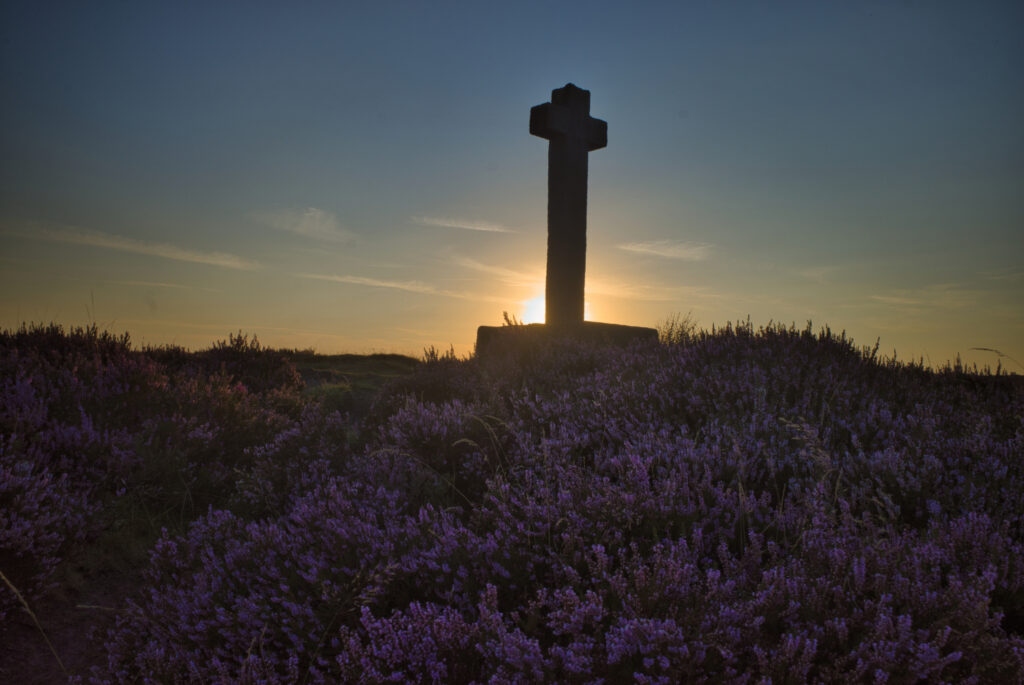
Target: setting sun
{"points": [[533, 310]]}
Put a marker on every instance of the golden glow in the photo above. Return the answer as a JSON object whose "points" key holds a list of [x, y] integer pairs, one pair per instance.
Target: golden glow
{"points": [[533, 310]]}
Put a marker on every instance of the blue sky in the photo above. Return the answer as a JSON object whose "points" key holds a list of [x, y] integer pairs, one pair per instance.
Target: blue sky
{"points": [[360, 177]]}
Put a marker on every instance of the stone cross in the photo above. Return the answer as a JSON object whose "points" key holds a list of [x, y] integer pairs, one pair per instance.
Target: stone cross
{"points": [[572, 133]]}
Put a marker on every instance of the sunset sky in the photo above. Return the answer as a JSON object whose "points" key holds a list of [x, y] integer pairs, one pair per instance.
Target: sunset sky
{"points": [[359, 176]]}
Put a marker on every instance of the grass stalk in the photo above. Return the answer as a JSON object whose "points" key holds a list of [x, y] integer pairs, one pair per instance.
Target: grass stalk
{"points": [[35, 620]]}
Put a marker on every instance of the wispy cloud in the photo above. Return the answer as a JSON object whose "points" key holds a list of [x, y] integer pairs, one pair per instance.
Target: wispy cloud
{"points": [[594, 286], [817, 274], [646, 292], [1012, 275], [230, 327], [670, 249], [408, 286], [505, 275], [157, 284], [80, 236], [466, 225], [936, 296], [897, 301], [310, 223]]}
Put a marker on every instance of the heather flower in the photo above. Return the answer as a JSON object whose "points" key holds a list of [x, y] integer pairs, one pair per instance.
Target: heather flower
{"points": [[745, 506]]}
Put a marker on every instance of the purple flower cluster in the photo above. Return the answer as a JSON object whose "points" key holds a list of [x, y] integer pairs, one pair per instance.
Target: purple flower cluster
{"points": [[258, 596], [55, 445], [749, 506], [93, 434]]}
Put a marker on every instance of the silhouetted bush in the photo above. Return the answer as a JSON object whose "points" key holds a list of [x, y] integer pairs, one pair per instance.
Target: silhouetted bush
{"points": [[240, 359], [440, 377]]}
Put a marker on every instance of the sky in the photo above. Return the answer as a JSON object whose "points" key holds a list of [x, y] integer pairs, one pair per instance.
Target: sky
{"points": [[360, 177]]}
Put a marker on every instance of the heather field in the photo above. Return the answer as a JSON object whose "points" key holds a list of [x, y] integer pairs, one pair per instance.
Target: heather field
{"points": [[745, 506]]}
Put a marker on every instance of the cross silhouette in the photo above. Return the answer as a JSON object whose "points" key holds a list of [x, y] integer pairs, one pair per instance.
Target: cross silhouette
{"points": [[572, 133]]}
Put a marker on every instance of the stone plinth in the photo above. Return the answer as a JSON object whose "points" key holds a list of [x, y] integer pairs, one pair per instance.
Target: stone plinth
{"points": [[490, 339]]}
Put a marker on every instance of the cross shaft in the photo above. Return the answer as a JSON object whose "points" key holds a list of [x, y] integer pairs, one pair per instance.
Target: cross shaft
{"points": [[572, 133]]}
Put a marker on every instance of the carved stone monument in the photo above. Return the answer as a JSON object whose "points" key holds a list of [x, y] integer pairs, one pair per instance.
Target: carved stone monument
{"points": [[572, 134]]}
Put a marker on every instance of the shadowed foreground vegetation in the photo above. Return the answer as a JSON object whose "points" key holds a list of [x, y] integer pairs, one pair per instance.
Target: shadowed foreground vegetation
{"points": [[741, 505]]}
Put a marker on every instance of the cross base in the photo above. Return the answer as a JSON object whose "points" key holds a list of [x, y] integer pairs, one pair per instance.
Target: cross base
{"points": [[495, 339]]}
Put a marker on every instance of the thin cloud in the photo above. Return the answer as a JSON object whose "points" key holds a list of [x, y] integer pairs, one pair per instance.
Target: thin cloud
{"points": [[1010, 275], [646, 293], [157, 284], [817, 274], [670, 249], [484, 226], [408, 286], [897, 301], [230, 328], [504, 274], [152, 284], [594, 286], [310, 223], [936, 296], [79, 236]]}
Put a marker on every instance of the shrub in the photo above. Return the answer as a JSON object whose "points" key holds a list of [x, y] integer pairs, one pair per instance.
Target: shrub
{"points": [[747, 506]]}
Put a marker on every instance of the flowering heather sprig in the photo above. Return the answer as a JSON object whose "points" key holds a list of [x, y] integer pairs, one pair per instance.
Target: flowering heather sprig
{"points": [[301, 457], [437, 453]]}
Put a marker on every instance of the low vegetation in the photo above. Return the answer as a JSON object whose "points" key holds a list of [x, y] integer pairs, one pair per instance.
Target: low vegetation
{"points": [[772, 505]]}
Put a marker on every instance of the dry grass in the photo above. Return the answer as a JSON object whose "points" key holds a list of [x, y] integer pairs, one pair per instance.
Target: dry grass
{"points": [[35, 620]]}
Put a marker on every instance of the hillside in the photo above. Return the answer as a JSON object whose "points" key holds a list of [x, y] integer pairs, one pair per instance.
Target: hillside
{"points": [[739, 505]]}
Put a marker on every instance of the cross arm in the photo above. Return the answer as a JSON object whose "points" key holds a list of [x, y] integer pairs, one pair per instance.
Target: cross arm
{"points": [[551, 121]]}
